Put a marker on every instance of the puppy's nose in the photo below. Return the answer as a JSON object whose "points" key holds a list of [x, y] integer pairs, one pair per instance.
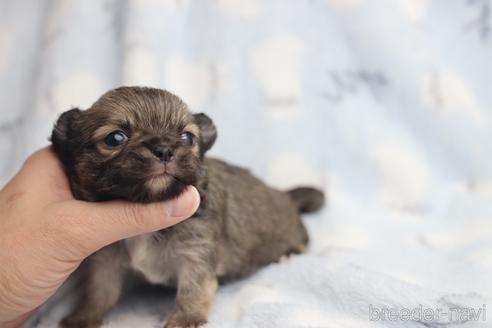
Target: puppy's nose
{"points": [[163, 153]]}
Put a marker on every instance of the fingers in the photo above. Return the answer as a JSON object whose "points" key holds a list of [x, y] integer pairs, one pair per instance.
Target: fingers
{"points": [[43, 174], [43, 158], [93, 225]]}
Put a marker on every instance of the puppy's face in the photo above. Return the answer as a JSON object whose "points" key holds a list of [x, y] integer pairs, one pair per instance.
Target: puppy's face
{"points": [[139, 144]]}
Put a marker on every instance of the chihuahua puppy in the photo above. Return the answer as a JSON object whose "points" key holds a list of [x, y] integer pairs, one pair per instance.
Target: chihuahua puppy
{"points": [[144, 145]]}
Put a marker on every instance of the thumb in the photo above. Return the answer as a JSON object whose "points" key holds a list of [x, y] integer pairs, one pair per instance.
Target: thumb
{"points": [[93, 225]]}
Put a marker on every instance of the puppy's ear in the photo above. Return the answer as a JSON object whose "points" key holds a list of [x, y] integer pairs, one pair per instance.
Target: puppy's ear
{"points": [[208, 132], [63, 133]]}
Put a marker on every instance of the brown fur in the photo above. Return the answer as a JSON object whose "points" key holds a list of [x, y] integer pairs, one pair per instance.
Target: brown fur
{"points": [[241, 224]]}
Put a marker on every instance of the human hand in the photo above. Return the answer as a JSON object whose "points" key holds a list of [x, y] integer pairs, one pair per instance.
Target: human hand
{"points": [[45, 233]]}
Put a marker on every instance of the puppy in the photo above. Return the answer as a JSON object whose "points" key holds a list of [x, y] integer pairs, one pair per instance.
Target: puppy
{"points": [[144, 145]]}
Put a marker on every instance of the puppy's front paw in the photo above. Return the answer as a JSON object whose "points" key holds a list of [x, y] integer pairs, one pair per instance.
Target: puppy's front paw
{"points": [[79, 322], [182, 320]]}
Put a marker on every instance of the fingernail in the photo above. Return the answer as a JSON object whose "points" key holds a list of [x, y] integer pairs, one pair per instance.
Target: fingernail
{"points": [[185, 205]]}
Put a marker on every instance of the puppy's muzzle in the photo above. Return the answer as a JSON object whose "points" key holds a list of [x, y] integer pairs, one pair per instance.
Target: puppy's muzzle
{"points": [[163, 153]]}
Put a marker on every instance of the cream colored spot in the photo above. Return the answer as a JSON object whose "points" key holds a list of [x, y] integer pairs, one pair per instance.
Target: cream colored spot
{"points": [[348, 236], [414, 9], [449, 94], [140, 68], [165, 5], [81, 89], [407, 277], [190, 81], [159, 183], [248, 296], [456, 238], [240, 8], [304, 316], [277, 66], [405, 174], [5, 48], [289, 170], [344, 4], [404, 216]]}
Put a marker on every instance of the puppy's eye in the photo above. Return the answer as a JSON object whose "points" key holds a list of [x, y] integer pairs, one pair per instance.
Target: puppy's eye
{"points": [[187, 138], [116, 138]]}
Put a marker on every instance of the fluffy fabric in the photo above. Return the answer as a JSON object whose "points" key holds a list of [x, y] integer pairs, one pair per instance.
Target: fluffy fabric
{"points": [[306, 291]]}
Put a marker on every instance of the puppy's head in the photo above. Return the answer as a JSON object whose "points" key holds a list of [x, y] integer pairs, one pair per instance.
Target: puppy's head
{"points": [[134, 143]]}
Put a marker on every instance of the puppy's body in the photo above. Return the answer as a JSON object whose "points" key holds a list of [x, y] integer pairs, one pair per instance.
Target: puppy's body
{"points": [[234, 241], [241, 223]]}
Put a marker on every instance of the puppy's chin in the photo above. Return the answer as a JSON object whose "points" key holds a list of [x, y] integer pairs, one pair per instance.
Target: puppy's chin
{"points": [[163, 187]]}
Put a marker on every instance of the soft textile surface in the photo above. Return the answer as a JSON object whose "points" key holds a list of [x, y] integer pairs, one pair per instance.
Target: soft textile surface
{"points": [[384, 104]]}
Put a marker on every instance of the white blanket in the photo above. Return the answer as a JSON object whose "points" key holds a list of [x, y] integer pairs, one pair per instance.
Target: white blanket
{"points": [[386, 105]]}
